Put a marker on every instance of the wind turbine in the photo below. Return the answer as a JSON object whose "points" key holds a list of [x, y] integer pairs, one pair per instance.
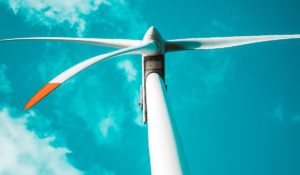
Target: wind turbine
{"points": [[166, 155]]}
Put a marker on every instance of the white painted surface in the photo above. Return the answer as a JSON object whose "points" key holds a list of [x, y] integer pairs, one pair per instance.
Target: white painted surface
{"points": [[223, 42], [118, 43], [146, 47], [166, 155]]}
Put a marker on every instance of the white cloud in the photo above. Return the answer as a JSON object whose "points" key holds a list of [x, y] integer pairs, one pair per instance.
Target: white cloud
{"points": [[22, 152], [4, 82], [282, 117], [97, 170], [128, 69], [108, 125], [131, 73], [53, 12], [75, 13]]}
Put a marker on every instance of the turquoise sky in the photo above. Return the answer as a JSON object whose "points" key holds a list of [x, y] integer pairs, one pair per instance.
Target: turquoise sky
{"points": [[237, 109]]}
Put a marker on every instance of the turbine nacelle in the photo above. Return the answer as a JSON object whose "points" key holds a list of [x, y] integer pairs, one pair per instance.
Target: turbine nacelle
{"points": [[153, 62], [152, 34]]}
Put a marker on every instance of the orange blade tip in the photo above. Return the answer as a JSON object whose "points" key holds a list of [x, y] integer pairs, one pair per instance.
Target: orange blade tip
{"points": [[49, 87]]}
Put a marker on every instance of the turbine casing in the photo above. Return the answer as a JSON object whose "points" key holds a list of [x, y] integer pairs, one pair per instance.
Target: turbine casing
{"points": [[152, 63]]}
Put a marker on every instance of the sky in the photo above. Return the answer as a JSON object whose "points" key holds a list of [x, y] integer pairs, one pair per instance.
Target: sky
{"points": [[237, 109]]}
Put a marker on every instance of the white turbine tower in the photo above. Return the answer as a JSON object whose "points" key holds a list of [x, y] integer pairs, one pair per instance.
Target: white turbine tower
{"points": [[166, 155]]}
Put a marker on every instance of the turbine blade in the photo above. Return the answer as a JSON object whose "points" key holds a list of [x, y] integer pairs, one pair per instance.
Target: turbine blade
{"points": [[221, 42], [47, 89], [117, 43], [144, 48]]}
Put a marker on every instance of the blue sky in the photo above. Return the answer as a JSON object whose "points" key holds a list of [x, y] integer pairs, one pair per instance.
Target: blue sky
{"points": [[237, 109]]}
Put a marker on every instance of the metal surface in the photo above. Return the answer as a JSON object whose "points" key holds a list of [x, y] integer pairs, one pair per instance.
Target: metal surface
{"points": [[117, 43], [152, 63], [221, 42], [166, 154]]}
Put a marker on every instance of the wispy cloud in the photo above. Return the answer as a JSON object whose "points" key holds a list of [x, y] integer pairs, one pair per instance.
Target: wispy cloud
{"points": [[218, 25], [217, 73], [128, 68], [225, 24], [74, 14], [130, 71], [130, 16], [296, 119], [5, 86], [204, 83], [55, 12], [278, 113], [99, 170], [22, 152], [49, 68], [108, 125], [282, 117]]}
